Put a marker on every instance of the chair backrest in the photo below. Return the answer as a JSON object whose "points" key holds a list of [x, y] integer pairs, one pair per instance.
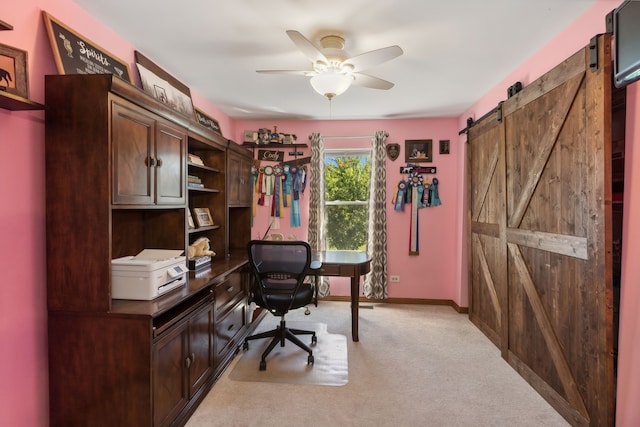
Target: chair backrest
{"points": [[279, 266]]}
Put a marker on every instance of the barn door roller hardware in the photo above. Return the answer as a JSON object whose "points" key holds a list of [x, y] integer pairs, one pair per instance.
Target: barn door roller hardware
{"points": [[593, 53]]}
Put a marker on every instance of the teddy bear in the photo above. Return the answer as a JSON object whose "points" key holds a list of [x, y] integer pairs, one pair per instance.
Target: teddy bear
{"points": [[200, 248]]}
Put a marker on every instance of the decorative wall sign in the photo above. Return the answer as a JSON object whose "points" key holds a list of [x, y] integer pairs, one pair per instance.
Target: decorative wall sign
{"points": [[393, 151], [163, 86], [417, 150], [270, 155], [74, 54], [418, 169], [13, 71], [444, 146], [208, 122]]}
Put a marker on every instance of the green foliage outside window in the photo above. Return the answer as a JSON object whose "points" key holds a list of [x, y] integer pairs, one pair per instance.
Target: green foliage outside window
{"points": [[347, 186]]}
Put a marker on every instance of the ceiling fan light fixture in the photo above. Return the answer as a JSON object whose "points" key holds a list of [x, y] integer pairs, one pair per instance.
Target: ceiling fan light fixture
{"points": [[331, 84]]}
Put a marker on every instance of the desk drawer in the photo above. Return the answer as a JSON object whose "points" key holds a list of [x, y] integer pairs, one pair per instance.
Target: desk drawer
{"points": [[230, 290], [330, 270], [227, 329]]}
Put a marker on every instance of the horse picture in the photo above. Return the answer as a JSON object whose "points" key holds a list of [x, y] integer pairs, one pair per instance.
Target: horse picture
{"points": [[6, 76]]}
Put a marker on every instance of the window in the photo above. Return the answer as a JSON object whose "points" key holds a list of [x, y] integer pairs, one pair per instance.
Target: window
{"points": [[347, 175]]}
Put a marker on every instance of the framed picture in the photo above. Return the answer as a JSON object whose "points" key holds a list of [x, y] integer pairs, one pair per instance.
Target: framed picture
{"points": [[203, 217], [444, 146], [163, 86], [75, 54], [13, 71], [418, 150], [208, 122], [192, 225]]}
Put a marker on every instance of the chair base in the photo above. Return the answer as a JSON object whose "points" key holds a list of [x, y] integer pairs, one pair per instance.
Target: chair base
{"points": [[279, 335]]}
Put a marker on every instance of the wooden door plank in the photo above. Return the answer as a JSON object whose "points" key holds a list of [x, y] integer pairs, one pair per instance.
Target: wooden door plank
{"points": [[484, 185], [547, 143], [546, 327], [488, 279], [551, 242]]}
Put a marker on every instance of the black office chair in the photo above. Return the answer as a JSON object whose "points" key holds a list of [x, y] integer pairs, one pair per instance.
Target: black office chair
{"points": [[280, 268]]}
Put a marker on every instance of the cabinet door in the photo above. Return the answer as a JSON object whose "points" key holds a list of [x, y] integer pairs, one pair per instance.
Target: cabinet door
{"points": [[240, 183], [133, 155], [170, 165], [201, 348], [170, 391]]}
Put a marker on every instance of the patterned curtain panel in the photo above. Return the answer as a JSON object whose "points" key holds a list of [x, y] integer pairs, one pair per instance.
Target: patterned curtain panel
{"points": [[317, 236], [375, 283]]}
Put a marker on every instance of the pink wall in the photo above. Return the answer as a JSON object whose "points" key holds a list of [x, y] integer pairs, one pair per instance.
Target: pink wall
{"points": [[573, 38], [431, 274], [23, 347]]}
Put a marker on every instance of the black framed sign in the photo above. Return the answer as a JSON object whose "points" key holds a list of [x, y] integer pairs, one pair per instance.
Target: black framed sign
{"points": [[208, 122], [74, 54]]}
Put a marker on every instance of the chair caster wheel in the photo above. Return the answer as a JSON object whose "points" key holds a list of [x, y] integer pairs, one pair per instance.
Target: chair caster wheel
{"points": [[263, 365], [245, 346], [314, 339], [310, 360]]}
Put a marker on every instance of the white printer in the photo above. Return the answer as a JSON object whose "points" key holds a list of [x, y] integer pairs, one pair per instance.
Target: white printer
{"points": [[148, 275]]}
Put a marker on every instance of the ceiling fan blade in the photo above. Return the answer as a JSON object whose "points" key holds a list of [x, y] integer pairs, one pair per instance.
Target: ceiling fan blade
{"points": [[290, 72], [306, 47], [366, 80], [372, 58]]}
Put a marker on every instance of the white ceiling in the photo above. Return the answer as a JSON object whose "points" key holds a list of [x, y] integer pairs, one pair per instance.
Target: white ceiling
{"points": [[454, 50]]}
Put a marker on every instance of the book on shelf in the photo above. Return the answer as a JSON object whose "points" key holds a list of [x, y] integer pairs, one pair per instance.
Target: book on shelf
{"points": [[193, 178], [196, 185], [193, 158]]}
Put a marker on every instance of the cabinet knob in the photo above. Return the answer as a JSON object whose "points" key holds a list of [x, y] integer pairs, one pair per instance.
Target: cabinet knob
{"points": [[230, 289], [159, 162], [150, 161], [189, 360]]}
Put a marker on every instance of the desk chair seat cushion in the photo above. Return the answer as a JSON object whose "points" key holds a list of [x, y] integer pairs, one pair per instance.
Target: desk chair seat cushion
{"points": [[280, 303]]}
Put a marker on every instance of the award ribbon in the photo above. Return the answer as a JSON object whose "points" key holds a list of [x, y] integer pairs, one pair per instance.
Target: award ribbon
{"points": [[435, 198]]}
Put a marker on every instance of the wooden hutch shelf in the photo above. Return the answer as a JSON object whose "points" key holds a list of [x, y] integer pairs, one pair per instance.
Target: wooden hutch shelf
{"points": [[5, 26], [9, 101]]}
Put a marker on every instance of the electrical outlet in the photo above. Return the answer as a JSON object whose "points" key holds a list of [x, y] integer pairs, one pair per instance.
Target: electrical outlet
{"points": [[395, 279]]}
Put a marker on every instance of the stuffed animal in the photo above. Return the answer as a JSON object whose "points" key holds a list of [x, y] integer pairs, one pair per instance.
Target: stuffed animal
{"points": [[200, 248]]}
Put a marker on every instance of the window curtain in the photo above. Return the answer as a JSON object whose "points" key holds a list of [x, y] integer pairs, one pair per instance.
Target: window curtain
{"points": [[317, 235], [375, 282]]}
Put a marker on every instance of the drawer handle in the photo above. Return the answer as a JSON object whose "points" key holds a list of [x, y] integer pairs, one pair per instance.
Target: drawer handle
{"points": [[230, 327], [189, 360]]}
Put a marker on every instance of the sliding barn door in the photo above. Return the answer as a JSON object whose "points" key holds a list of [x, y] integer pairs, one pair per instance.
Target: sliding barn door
{"points": [[487, 206], [540, 266]]}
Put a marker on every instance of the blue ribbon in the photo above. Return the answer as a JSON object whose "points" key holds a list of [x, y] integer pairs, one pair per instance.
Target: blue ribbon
{"points": [[435, 198]]}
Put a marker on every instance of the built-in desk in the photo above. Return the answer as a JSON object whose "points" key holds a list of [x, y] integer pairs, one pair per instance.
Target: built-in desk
{"points": [[351, 264]]}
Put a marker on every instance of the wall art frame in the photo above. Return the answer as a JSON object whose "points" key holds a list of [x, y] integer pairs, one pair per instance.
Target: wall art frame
{"points": [[13, 71], [163, 87], [207, 121], [75, 54], [418, 150]]}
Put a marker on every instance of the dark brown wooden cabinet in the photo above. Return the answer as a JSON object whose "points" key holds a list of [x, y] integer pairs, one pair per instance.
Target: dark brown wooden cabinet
{"points": [[240, 183], [148, 158], [116, 167], [182, 363]]}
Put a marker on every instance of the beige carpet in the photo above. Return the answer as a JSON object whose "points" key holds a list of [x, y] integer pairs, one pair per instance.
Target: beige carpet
{"points": [[415, 365], [288, 364]]}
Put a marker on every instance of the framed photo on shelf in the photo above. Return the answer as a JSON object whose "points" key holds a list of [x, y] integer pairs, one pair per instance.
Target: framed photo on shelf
{"points": [[163, 86], [192, 225], [202, 217], [418, 150], [13, 71]]}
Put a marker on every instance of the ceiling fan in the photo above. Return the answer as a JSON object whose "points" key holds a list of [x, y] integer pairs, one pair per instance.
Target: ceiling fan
{"points": [[333, 71]]}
